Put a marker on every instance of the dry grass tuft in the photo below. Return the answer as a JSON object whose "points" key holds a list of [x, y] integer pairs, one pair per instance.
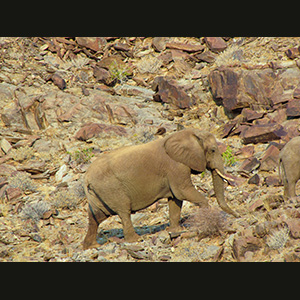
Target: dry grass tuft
{"points": [[35, 210], [207, 221], [278, 238]]}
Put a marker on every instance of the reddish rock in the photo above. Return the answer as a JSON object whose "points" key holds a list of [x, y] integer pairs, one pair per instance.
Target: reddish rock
{"points": [[250, 115], [224, 87], [292, 129], [185, 47], [270, 159], [167, 91], [102, 75], [94, 43], [216, 44], [294, 226], [70, 113], [207, 56], [58, 81], [159, 43], [272, 181], [278, 116], [166, 57], [94, 129], [236, 88], [256, 86], [256, 205], [121, 46], [293, 108], [262, 133], [278, 95], [13, 193], [254, 179], [243, 244], [227, 128], [250, 164], [245, 152]]}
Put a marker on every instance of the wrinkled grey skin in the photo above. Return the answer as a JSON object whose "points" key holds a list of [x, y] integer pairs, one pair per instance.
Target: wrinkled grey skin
{"points": [[289, 166], [131, 178]]}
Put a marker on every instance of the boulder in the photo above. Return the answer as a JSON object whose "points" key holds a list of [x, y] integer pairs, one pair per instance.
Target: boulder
{"points": [[269, 161], [224, 87], [262, 133], [243, 244], [94, 43], [167, 91], [216, 44], [258, 89], [294, 226]]}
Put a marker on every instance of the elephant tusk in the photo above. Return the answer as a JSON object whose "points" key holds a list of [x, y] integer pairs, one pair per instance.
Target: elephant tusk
{"points": [[226, 177]]}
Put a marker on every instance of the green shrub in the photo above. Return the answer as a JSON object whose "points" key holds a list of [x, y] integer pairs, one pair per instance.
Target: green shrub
{"points": [[228, 157], [82, 156]]}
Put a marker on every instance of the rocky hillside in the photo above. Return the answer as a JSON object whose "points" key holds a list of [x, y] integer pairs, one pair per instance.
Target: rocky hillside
{"points": [[63, 101]]}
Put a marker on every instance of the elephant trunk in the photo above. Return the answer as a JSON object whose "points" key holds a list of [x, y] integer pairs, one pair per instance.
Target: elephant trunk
{"points": [[219, 191]]}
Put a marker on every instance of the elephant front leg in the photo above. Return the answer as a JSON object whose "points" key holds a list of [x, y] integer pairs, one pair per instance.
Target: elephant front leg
{"points": [[175, 206], [192, 195]]}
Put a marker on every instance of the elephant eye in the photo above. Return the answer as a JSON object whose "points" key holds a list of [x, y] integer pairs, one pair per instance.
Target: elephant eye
{"points": [[212, 150]]}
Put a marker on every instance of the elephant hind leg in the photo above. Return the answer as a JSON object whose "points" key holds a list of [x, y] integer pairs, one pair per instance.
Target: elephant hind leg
{"points": [[130, 235], [290, 189], [95, 218]]}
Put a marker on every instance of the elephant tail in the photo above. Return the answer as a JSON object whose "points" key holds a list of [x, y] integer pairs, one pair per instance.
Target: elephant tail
{"points": [[96, 202], [281, 172]]}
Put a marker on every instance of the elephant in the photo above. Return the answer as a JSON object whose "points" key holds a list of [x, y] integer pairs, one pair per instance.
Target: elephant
{"points": [[132, 178], [289, 166]]}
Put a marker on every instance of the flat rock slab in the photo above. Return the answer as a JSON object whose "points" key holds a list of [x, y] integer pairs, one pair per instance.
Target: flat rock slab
{"points": [[94, 129], [262, 133], [185, 47], [293, 108]]}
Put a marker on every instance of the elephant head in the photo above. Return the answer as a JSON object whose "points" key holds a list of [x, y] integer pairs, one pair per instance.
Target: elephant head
{"points": [[199, 151]]}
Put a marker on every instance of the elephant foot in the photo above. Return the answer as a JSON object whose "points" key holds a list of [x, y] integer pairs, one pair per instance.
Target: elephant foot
{"points": [[90, 245], [132, 238], [174, 229]]}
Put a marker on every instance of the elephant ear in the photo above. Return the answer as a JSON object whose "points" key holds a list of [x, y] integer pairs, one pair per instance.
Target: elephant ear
{"points": [[187, 148]]}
